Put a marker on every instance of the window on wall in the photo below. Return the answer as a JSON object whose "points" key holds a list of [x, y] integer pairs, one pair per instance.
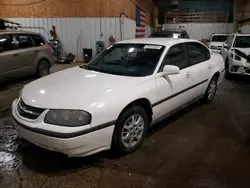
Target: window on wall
{"points": [[6, 42], [24, 41]]}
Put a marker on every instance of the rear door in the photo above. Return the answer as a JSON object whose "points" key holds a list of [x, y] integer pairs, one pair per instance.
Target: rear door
{"points": [[26, 53], [8, 60], [198, 56]]}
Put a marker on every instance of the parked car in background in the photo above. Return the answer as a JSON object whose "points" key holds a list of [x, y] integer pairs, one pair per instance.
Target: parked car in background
{"points": [[216, 42], [23, 53], [176, 33], [112, 101], [236, 54]]}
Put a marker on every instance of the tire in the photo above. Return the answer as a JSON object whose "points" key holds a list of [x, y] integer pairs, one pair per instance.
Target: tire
{"points": [[211, 91], [43, 68], [128, 137]]}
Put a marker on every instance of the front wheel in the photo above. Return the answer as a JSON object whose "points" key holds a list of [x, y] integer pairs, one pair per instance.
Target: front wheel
{"points": [[211, 91], [43, 68], [130, 130]]}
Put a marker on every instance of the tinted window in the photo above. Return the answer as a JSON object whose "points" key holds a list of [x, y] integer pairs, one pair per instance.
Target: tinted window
{"points": [[175, 56], [24, 41], [219, 38], [197, 53], [242, 42], [166, 35], [38, 40], [6, 42]]}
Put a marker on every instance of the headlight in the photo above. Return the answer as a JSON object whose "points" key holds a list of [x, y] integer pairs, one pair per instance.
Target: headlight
{"points": [[72, 118], [235, 56]]}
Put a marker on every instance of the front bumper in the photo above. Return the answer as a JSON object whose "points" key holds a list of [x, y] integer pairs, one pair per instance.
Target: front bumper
{"points": [[70, 143], [240, 68]]}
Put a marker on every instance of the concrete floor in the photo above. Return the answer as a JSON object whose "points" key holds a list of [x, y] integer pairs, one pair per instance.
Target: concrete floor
{"points": [[203, 146]]}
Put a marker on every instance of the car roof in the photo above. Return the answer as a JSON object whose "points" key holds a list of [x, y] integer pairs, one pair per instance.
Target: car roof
{"points": [[157, 41], [16, 32], [242, 34]]}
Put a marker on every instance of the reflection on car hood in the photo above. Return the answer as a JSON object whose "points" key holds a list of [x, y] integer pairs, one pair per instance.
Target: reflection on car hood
{"points": [[74, 88]]}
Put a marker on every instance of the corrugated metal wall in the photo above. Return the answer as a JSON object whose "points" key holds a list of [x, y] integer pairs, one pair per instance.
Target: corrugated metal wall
{"points": [[200, 31], [78, 33]]}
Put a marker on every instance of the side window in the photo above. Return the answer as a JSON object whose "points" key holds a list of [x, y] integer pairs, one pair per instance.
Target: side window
{"points": [[24, 41], [7, 43], [197, 53], [38, 40], [175, 56]]}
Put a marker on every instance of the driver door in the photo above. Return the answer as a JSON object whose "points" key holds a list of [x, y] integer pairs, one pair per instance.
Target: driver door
{"points": [[172, 89]]}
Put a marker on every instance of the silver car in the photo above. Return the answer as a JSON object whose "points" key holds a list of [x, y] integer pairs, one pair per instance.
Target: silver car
{"points": [[23, 53]]}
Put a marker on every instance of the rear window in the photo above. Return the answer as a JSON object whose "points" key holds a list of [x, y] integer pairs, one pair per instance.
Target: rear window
{"points": [[166, 35], [219, 38], [38, 40]]}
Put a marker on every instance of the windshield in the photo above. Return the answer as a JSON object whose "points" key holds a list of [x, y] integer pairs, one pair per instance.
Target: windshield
{"points": [[219, 38], [242, 42], [165, 35], [128, 59]]}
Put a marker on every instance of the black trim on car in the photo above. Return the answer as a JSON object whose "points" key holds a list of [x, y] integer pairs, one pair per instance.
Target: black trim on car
{"points": [[66, 135], [223, 71], [178, 93]]}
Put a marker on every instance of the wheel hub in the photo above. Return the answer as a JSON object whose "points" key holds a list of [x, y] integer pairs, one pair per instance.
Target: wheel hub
{"points": [[132, 130]]}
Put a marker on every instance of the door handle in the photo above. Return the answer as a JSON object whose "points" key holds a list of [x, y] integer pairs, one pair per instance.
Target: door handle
{"points": [[210, 67], [36, 51], [188, 74], [15, 55]]}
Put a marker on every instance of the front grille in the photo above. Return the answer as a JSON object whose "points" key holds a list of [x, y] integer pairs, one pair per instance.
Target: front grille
{"points": [[27, 111], [219, 47]]}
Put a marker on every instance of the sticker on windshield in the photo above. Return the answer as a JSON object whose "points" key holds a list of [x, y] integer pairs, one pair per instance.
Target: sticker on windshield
{"points": [[152, 47]]}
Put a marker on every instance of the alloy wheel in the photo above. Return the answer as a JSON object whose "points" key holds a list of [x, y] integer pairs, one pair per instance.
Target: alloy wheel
{"points": [[132, 131]]}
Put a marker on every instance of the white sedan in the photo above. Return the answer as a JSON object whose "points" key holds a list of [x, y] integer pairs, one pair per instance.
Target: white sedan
{"points": [[112, 101]]}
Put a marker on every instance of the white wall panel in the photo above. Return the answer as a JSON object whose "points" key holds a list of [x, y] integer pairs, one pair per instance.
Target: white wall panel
{"points": [[78, 33], [200, 31]]}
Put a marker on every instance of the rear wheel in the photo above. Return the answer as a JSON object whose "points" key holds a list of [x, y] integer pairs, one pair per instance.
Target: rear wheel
{"points": [[43, 68], [211, 91], [130, 130]]}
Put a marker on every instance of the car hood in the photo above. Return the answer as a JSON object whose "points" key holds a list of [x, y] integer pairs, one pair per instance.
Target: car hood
{"points": [[74, 88], [216, 43], [246, 51]]}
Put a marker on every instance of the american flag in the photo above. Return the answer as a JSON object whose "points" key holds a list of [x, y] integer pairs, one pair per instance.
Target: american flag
{"points": [[140, 23]]}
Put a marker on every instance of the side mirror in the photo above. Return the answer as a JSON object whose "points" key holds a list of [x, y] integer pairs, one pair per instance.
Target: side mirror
{"points": [[225, 46], [1, 50], [171, 69]]}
